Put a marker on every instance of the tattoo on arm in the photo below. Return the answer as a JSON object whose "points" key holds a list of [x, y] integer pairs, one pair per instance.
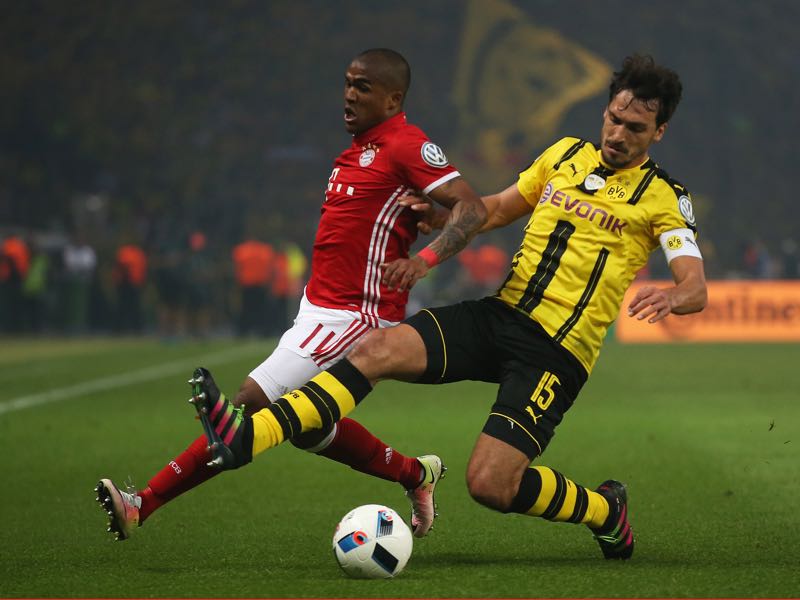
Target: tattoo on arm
{"points": [[464, 222]]}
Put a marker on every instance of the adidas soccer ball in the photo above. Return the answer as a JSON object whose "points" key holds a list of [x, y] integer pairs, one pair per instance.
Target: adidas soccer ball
{"points": [[372, 542]]}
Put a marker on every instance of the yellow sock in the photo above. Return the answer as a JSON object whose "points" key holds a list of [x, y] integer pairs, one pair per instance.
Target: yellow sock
{"points": [[319, 403], [546, 493]]}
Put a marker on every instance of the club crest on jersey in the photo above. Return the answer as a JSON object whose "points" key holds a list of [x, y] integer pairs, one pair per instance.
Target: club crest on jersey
{"points": [[685, 206], [433, 155], [367, 156], [674, 242]]}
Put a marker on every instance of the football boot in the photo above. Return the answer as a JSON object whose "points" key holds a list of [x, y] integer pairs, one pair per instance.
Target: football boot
{"points": [[122, 508], [615, 536], [423, 505], [228, 430]]}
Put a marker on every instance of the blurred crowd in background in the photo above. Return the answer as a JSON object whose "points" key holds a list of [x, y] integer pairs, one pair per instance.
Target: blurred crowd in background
{"points": [[150, 151], [195, 286], [56, 284]]}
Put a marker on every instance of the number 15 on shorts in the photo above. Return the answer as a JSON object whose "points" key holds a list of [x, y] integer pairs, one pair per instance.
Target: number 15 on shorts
{"points": [[543, 395]]}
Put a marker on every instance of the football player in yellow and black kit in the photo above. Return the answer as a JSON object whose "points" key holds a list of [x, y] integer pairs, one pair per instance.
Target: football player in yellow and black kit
{"points": [[596, 213]]}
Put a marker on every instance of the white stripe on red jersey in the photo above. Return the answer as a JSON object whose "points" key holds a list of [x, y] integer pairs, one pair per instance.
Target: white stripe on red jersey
{"points": [[362, 225]]}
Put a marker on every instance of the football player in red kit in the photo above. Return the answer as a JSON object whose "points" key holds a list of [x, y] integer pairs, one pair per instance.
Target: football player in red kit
{"points": [[360, 276]]}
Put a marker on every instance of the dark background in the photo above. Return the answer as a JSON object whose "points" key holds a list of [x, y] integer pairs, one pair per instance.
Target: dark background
{"points": [[146, 120]]}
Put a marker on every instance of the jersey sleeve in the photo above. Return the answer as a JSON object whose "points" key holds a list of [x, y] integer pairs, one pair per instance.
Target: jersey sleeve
{"points": [[675, 209], [423, 163], [532, 180]]}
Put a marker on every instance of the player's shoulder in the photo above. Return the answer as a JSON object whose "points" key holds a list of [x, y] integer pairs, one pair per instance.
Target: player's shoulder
{"points": [[569, 142], [564, 149], [407, 135], [667, 193], [664, 184], [410, 142]]}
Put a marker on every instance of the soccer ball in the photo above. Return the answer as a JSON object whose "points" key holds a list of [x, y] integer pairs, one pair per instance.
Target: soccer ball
{"points": [[372, 542]]}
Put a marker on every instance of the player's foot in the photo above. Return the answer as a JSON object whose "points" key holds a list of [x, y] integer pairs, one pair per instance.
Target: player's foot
{"points": [[615, 536], [122, 508], [423, 506], [229, 432]]}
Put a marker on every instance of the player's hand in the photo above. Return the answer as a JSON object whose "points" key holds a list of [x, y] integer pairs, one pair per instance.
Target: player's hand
{"points": [[650, 303], [430, 216], [403, 273]]}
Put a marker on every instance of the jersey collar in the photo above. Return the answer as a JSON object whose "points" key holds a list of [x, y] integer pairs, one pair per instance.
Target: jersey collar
{"points": [[646, 164], [378, 130]]}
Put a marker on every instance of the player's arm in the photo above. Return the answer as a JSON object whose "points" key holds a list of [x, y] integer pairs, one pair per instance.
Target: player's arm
{"points": [[504, 207], [501, 209], [467, 215], [688, 295]]}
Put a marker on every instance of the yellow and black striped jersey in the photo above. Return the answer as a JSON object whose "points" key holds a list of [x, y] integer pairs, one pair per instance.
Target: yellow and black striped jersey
{"points": [[591, 231]]}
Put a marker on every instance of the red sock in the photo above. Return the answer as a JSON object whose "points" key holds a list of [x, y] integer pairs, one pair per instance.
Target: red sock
{"points": [[188, 470], [356, 447]]}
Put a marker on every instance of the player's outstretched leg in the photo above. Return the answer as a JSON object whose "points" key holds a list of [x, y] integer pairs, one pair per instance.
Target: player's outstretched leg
{"points": [[122, 509], [229, 432], [423, 504], [615, 536]]}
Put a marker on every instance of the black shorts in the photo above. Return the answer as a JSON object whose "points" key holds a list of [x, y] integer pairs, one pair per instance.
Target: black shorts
{"points": [[487, 340]]}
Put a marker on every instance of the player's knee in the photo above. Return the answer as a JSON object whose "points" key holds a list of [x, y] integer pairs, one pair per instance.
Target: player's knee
{"points": [[393, 352], [251, 396], [371, 352], [489, 489]]}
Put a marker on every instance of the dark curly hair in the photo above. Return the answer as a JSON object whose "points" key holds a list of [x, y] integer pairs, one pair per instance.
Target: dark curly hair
{"points": [[650, 83]]}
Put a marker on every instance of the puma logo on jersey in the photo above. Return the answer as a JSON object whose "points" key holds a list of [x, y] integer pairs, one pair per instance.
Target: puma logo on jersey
{"points": [[582, 209]]}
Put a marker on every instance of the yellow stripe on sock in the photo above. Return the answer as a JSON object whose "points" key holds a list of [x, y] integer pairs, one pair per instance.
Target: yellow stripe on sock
{"points": [[305, 410], [597, 512], [569, 503], [267, 432], [547, 492], [340, 393]]}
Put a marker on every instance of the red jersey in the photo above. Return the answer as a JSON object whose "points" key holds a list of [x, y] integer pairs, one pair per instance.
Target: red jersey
{"points": [[362, 224]]}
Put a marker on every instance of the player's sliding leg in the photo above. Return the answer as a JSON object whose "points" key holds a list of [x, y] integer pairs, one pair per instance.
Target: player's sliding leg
{"points": [[347, 442], [234, 438], [546, 493], [317, 405], [326, 399], [396, 353]]}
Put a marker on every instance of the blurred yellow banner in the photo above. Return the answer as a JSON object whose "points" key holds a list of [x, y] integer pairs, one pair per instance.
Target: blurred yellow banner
{"points": [[737, 311]]}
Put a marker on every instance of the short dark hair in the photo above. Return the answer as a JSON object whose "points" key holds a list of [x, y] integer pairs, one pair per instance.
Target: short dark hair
{"points": [[648, 82], [393, 70]]}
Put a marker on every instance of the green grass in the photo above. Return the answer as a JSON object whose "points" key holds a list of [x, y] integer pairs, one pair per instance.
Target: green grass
{"points": [[706, 437]]}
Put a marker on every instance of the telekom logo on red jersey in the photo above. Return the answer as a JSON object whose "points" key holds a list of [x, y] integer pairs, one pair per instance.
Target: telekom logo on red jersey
{"points": [[338, 187]]}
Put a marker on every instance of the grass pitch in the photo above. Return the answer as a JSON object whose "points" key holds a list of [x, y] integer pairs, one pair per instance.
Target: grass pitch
{"points": [[706, 437]]}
